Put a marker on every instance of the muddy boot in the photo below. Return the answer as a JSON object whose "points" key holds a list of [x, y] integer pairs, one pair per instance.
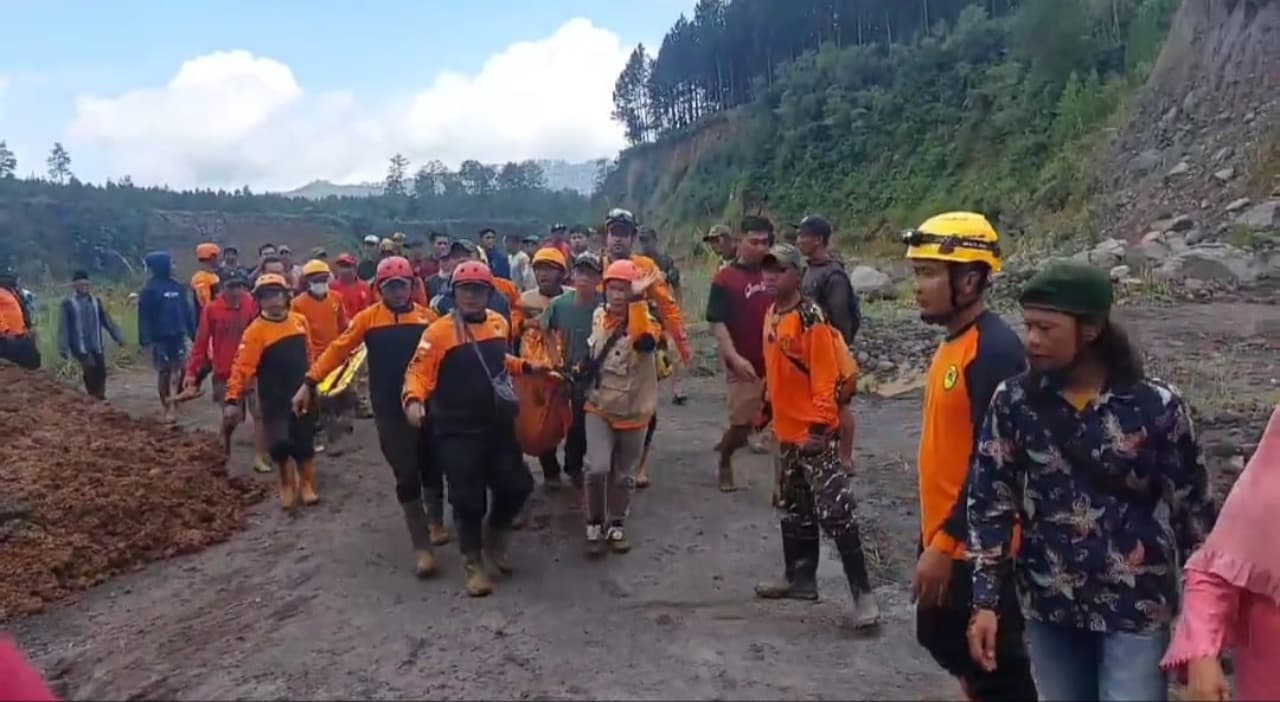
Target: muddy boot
{"points": [[287, 484], [497, 544], [307, 483], [800, 579], [866, 611], [478, 583], [595, 540], [726, 478], [440, 534], [415, 519]]}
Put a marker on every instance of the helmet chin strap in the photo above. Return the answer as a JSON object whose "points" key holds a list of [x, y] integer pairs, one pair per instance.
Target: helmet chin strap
{"points": [[957, 308]]}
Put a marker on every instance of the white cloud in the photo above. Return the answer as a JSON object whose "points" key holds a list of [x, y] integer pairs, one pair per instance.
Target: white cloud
{"points": [[230, 118]]}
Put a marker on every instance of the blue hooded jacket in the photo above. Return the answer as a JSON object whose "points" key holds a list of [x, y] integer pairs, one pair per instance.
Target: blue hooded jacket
{"points": [[164, 305]]}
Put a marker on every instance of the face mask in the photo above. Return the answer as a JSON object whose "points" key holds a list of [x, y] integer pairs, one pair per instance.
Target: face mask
{"points": [[318, 289]]}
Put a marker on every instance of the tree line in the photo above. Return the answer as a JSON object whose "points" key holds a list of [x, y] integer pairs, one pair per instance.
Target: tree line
{"points": [[102, 226], [730, 52]]}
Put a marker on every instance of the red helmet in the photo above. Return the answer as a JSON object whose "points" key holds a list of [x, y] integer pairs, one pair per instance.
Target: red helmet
{"points": [[472, 272], [393, 268]]}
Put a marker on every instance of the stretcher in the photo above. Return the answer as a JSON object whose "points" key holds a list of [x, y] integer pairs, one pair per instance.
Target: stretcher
{"points": [[341, 378]]}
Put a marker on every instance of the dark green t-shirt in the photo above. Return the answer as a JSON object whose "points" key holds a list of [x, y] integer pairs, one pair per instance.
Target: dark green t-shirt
{"points": [[573, 321]]}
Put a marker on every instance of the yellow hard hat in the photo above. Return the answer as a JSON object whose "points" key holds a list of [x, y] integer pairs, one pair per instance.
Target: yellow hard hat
{"points": [[315, 267], [955, 237]]}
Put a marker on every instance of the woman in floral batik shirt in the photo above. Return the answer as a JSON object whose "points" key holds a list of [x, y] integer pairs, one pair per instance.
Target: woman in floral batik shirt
{"points": [[1099, 465]]}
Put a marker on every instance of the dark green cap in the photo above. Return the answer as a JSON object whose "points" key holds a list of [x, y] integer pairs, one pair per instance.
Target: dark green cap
{"points": [[1071, 288]]}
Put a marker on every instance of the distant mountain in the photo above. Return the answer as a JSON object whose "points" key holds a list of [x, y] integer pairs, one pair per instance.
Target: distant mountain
{"points": [[560, 175]]}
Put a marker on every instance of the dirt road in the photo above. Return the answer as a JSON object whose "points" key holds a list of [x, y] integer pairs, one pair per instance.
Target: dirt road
{"points": [[324, 605]]}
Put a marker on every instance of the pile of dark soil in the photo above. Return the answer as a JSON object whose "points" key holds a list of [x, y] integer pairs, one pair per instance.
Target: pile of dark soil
{"points": [[87, 492]]}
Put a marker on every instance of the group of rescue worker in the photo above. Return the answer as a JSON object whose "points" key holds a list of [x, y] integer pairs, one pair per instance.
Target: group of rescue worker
{"points": [[1059, 485]]}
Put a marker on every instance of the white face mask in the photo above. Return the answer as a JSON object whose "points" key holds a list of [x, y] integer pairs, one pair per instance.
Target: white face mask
{"points": [[318, 289]]}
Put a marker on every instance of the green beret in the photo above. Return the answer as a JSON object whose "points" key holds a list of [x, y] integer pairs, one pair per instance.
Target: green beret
{"points": [[1073, 288]]}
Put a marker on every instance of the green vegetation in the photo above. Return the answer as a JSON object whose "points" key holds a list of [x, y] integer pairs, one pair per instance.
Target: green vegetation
{"points": [[879, 112], [116, 299], [52, 226]]}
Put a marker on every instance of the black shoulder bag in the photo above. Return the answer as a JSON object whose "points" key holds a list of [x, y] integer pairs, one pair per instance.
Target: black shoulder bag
{"points": [[506, 403]]}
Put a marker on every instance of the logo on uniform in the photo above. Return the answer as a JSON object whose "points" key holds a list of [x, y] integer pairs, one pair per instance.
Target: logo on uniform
{"points": [[950, 377]]}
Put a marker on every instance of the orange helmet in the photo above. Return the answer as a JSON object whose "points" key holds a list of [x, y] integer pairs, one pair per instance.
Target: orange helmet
{"points": [[206, 251], [393, 268], [472, 272], [270, 280], [623, 270]]}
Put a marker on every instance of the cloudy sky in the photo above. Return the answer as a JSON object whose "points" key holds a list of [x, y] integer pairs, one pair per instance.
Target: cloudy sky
{"points": [[275, 93]]}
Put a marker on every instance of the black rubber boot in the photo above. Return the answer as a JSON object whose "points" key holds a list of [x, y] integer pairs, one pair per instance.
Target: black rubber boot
{"points": [[866, 611], [800, 558]]}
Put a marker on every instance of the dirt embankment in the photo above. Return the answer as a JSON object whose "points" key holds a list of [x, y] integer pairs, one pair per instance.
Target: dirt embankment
{"points": [[1205, 133], [87, 492]]}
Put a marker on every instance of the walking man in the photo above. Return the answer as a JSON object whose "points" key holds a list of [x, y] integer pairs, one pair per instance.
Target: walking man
{"points": [[81, 322]]}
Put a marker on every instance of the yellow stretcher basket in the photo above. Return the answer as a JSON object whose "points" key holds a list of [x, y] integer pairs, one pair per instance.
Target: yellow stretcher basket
{"points": [[340, 379]]}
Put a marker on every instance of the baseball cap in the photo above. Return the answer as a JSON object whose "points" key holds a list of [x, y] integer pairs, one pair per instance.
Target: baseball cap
{"points": [[319, 252], [345, 259], [816, 225], [468, 246], [531, 239], [558, 227], [387, 245], [371, 239], [716, 232], [284, 249], [589, 260], [398, 237], [786, 256]]}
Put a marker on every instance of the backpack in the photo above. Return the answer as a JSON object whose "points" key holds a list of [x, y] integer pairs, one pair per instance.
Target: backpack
{"points": [[818, 290]]}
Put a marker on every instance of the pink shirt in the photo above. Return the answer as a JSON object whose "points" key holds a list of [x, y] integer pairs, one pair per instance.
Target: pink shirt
{"points": [[18, 680], [1218, 616]]}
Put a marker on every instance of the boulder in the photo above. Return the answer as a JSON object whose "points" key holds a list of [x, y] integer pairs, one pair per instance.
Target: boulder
{"points": [[1237, 205], [871, 283], [1264, 215], [1220, 263], [1106, 254], [1181, 223], [1196, 236], [1181, 169], [1224, 175], [1119, 273], [1155, 248]]}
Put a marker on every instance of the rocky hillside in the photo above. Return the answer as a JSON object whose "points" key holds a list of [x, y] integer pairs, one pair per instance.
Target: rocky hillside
{"points": [[1203, 142]]}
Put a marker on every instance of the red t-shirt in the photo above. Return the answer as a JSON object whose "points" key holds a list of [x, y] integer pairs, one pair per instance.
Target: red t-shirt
{"points": [[355, 296], [218, 336], [739, 301], [426, 268]]}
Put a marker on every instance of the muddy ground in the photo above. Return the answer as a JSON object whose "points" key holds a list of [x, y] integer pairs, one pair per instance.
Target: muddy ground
{"points": [[324, 605]]}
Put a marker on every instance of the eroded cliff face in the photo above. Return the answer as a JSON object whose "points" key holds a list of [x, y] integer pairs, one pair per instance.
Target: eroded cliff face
{"points": [[1206, 132]]}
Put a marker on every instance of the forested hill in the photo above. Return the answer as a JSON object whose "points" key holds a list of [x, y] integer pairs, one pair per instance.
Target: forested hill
{"points": [[877, 112], [49, 227]]}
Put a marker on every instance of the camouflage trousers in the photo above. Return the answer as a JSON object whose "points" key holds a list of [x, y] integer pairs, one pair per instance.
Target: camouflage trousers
{"points": [[815, 492]]}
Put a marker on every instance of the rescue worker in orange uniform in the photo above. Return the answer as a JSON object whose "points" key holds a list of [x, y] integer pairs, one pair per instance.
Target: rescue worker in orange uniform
{"points": [[327, 317], [621, 229], [952, 258], [205, 283], [276, 351], [390, 330], [459, 380], [803, 373]]}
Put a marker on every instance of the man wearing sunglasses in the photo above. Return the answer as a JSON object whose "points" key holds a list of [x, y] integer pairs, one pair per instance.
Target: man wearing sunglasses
{"points": [[952, 258]]}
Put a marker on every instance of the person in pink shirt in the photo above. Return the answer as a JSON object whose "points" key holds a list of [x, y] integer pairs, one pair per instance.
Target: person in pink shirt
{"points": [[19, 682], [1231, 598]]}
